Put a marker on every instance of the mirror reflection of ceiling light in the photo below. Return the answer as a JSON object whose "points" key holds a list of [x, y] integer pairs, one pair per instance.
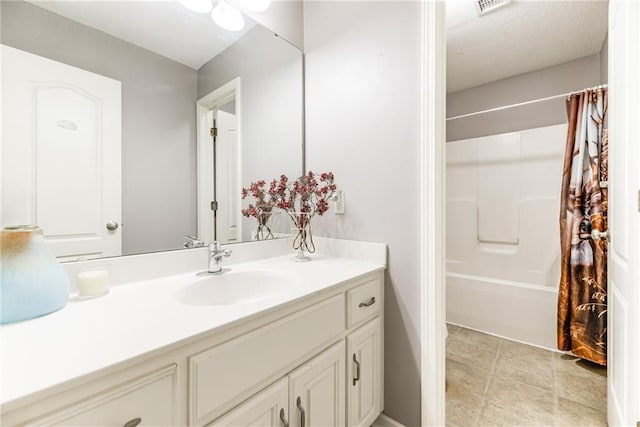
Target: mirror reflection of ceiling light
{"points": [[227, 16], [200, 6], [255, 5]]}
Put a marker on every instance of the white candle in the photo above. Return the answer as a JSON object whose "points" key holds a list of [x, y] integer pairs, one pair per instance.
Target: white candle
{"points": [[93, 283]]}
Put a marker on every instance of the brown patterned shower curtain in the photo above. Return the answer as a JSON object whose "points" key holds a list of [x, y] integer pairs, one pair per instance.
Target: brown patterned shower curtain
{"points": [[582, 298]]}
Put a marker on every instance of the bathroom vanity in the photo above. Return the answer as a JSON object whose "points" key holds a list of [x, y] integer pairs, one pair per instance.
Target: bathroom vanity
{"points": [[171, 351]]}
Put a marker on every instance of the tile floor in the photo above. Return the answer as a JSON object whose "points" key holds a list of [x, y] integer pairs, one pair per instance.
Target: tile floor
{"points": [[496, 382]]}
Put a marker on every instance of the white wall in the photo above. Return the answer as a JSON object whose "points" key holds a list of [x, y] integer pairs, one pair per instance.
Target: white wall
{"points": [[503, 236], [362, 58]]}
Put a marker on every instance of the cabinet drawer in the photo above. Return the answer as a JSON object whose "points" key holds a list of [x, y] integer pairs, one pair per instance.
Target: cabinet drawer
{"points": [[150, 398], [229, 373], [364, 301]]}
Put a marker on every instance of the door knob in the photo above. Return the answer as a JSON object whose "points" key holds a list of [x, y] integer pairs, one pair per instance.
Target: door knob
{"points": [[112, 225]]}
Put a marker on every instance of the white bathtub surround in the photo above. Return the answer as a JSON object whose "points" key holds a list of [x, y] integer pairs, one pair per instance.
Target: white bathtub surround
{"points": [[142, 320], [503, 243]]}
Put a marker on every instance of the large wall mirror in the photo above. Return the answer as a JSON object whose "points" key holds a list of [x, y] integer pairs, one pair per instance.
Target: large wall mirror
{"points": [[108, 109]]}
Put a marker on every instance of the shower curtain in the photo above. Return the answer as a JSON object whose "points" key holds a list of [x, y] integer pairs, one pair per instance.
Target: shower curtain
{"points": [[582, 297]]}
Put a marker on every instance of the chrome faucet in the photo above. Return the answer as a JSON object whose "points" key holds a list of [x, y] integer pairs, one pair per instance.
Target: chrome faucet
{"points": [[193, 242], [215, 257]]}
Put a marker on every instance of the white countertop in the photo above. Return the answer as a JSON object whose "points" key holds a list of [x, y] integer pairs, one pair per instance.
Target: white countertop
{"points": [[140, 319]]}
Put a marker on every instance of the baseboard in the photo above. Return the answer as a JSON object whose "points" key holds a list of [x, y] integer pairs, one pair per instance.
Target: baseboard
{"points": [[384, 421]]}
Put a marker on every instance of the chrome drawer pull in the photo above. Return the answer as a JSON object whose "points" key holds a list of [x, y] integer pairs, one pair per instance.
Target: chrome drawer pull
{"points": [[285, 423], [301, 409], [133, 423], [368, 303]]}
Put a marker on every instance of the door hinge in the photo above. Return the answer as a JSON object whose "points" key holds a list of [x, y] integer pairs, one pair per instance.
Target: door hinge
{"points": [[214, 132], [639, 211], [214, 206]]}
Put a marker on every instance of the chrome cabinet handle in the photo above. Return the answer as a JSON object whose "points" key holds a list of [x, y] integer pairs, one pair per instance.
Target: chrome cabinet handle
{"points": [[301, 409], [357, 378], [133, 423], [368, 303], [112, 226], [285, 423]]}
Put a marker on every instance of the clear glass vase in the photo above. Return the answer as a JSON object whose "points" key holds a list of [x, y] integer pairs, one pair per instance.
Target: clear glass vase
{"points": [[302, 237], [263, 231]]}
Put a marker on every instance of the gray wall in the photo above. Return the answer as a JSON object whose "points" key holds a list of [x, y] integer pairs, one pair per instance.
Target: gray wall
{"points": [[361, 58], [270, 71], [570, 76], [604, 60], [158, 120]]}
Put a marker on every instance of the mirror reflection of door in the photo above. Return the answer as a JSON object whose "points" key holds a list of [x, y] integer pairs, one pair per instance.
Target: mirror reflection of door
{"points": [[226, 168], [61, 144], [219, 164]]}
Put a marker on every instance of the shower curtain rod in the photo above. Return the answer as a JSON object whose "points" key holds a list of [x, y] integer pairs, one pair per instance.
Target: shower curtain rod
{"points": [[520, 104]]}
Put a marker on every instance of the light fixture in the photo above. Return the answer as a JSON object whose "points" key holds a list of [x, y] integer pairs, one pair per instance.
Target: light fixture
{"points": [[200, 6], [255, 5], [227, 16]]}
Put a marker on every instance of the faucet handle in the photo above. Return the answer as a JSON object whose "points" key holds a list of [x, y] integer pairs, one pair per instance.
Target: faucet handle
{"points": [[192, 242], [215, 246], [227, 252]]}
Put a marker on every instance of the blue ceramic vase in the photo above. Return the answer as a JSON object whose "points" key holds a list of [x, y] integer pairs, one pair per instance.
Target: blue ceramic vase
{"points": [[33, 281]]}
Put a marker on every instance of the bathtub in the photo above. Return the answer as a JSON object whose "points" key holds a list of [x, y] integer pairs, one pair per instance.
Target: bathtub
{"points": [[503, 235], [517, 311]]}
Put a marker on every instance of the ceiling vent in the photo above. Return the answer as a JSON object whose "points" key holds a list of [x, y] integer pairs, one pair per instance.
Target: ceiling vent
{"points": [[486, 6]]}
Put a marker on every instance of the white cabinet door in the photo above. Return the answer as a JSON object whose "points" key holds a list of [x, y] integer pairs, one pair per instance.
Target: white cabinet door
{"points": [[218, 378], [364, 373], [316, 390], [269, 408]]}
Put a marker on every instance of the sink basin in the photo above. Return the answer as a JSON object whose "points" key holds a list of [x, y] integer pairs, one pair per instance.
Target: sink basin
{"points": [[235, 287]]}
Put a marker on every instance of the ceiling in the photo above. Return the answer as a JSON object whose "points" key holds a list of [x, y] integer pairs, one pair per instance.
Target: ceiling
{"points": [[520, 37], [164, 27]]}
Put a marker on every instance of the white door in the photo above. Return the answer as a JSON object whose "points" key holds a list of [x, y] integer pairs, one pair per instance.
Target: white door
{"points": [[364, 370], [61, 154], [269, 408], [227, 181], [624, 218], [316, 390]]}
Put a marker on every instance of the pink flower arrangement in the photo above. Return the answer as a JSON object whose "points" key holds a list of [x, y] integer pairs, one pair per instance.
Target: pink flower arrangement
{"points": [[306, 197], [309, 194], [301, 199], [265, 202]]}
